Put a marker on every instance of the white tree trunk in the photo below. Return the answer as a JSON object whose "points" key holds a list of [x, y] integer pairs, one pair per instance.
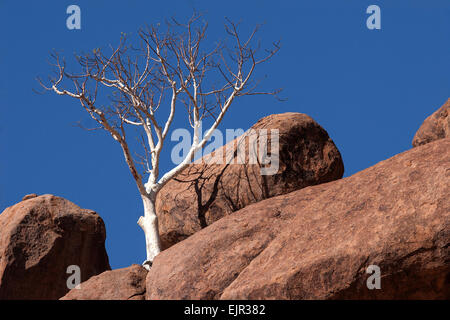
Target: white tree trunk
{"points": [[149, 223]]}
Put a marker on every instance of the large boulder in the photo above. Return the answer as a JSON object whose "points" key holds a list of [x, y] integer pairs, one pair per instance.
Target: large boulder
{"points": [[317, 243], [120, 284], [40, 238], [436, 126], [228, 179]]}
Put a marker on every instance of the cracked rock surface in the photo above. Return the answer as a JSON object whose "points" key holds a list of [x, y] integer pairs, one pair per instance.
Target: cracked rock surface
{"points": [[317, 242]]}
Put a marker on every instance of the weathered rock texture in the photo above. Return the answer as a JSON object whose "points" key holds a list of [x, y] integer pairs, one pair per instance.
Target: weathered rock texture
{"points": [[436, 126], [42, 236], [29, 196], [316, 243], [207, 191], [121, 284]]}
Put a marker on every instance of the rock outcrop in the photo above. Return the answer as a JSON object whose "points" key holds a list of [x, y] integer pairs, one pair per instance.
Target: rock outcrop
{"points": [[317, 243], [226, 180], [120, 284], [40, 238], [435, 127]]}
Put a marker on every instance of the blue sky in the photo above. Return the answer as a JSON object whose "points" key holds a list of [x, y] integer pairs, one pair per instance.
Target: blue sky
{"points": [[370, 89]]}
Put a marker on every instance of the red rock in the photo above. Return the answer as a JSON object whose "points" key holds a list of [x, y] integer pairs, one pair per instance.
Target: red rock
{"points": [[39, 239], [121, 284], [29, 196], [206, 192], [317, 242], [436, 126]]}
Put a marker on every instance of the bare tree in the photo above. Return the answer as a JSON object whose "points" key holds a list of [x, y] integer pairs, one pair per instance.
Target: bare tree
{"points": [[168, 68]]}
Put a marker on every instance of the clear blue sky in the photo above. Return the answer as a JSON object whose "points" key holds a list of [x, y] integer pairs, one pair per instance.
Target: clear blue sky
{"points": [[370, 90]]}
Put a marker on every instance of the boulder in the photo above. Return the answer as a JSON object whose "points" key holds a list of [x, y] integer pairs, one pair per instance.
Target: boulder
{"points": [[228, 179], [121, 284], [40, 238], [318, 242], [436, 126]]}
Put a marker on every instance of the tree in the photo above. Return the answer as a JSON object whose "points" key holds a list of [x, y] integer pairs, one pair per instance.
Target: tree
{"points": [[169, 67]]}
